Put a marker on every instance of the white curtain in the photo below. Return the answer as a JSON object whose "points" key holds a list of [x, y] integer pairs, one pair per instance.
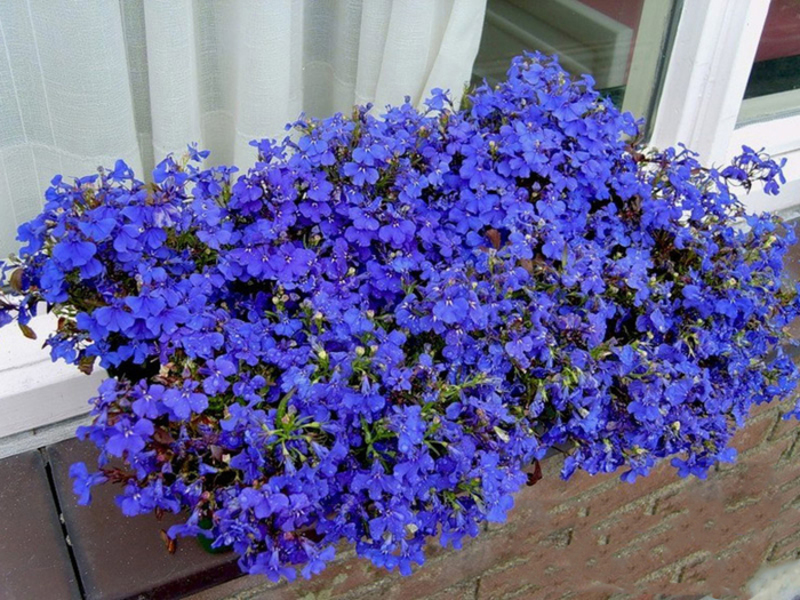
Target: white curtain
{"points": [[84, 82]]}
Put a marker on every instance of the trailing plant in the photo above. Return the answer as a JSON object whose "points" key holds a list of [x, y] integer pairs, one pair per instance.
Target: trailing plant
{"points": [[370, 334]]}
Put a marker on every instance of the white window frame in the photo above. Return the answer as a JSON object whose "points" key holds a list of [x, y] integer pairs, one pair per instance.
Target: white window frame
{"points": [[701, 99], [41, 402]]}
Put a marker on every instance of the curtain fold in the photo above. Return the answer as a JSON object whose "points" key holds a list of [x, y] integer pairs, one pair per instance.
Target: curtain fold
{"points": [[85, 83]]}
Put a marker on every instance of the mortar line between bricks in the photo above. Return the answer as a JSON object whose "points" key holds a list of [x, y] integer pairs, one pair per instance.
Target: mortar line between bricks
{"points": [[673, 568], [793, 447], [779, 412], [736, 546], [583, 497], [638, 540], [48, 469], [642, 502], [793, 537]]}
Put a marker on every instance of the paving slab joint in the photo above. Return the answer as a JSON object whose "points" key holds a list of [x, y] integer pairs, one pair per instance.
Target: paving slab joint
{"points": [[62, 521]]}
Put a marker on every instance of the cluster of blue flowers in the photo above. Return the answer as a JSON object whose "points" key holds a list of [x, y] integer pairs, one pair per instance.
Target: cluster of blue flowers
{"points": [[373, 332]]}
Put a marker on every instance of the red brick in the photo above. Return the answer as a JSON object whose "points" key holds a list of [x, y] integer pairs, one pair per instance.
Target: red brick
{"points": [[502, 582], [769, 407], [783, 427], [477, 556], [785, 548], [696, 570], [755, 432], [463, 591], [622, 498]]}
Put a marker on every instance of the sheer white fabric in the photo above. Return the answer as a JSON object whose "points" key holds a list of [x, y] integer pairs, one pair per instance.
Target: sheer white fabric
{"points": [[85, 83]]}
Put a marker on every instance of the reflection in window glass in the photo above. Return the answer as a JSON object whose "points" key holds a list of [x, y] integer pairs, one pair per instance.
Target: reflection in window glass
{"points": [[774, 83], [621, 43]]}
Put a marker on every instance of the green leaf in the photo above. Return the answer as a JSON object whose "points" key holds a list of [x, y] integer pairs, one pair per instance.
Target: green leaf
{"points": [[284, 403], [502, 434]]}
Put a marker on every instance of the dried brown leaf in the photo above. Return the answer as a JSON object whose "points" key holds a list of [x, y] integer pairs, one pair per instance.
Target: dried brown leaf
{"points": [[27, 331], [536, 476], [15, 281], [168, 542], [494, 237]]}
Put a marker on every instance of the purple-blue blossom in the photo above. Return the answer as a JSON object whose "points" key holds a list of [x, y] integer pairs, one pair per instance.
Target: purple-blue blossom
{"points": [[367, 335]]}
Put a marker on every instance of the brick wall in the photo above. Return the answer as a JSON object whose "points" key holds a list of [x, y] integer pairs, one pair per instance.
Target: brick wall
{"points": [[596, 538]]}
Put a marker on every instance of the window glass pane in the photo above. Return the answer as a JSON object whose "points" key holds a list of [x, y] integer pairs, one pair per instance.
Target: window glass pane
{"points": [[621, 43], [774, 84]]}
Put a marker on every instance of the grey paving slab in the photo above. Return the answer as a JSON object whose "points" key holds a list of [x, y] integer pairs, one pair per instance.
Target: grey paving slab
{"points": [[120, 557], [34, 558]]}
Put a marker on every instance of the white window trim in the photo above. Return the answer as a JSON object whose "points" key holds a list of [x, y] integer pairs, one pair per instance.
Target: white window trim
{"points": [[702, 103], [35, 392], [713, 51], [769, 107], [780, 137]]}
